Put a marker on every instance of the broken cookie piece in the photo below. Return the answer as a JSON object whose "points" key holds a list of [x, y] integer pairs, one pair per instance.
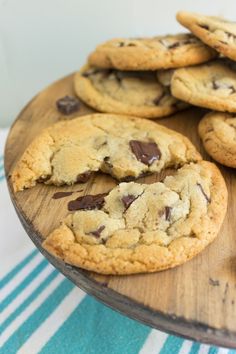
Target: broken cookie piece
{"points": [[126, 148], [144, 228]]}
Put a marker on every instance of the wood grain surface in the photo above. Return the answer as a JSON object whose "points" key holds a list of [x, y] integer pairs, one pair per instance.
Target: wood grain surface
{"points": [[196, 300]]}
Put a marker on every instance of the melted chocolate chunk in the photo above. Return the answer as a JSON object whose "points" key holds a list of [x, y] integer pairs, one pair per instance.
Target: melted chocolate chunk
{"points": [[204, 27], [127, 200], [145, 152], [122, 44], [168, 213], [158, 99], [83, 177], [221, 85], [87, 202], [97, 233], [215, 85], [60, 195], [208, 199], [68, 105], [178, 43]]}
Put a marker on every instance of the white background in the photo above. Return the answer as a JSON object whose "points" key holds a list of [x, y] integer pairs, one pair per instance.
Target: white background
{"points": [[43, 40]]}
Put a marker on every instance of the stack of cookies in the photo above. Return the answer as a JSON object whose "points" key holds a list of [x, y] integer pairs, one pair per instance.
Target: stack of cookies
{"points": [[137, 227], [126, 76], [156, 77]]}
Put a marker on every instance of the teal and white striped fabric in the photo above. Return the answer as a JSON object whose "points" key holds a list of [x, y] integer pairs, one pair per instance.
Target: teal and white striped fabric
{"points": [[43, 312]]}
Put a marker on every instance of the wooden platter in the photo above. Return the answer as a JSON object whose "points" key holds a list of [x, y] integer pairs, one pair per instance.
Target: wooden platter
{"points": [[196, 300]]}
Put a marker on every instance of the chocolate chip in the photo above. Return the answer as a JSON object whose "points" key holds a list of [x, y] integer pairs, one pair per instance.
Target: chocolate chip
{"points": [[97, 233], [157, 100], [127, 200], [123, 44], [68, 105], [87, 202], [177, 44], [208, 199], [108, 161], [204, 26], [221, 85], [215, 85], [168, 213], [145, 152], [83, 177], [59, 195]]}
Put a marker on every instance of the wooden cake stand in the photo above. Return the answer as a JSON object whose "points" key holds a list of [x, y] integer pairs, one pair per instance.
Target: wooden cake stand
{"points": [[196, 300]]}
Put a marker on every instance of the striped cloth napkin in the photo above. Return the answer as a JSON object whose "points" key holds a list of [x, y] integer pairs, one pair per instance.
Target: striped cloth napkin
{"points": [[43, 312]]}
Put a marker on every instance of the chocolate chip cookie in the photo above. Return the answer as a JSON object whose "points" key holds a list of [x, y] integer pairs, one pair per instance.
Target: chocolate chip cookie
{"points": [[136, 93], [216, 32], [211, 85], [218, 133], [125, 147], [144, 228], [161, 52]]}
